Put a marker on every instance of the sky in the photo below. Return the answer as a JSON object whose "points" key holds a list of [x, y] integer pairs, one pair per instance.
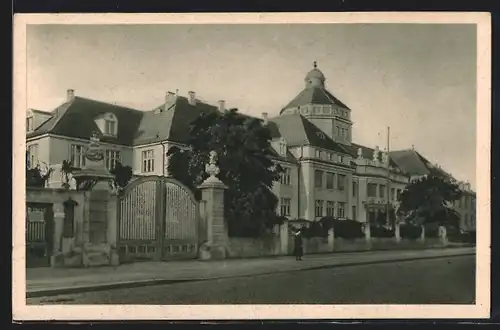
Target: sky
{"points": [[419, 79]]}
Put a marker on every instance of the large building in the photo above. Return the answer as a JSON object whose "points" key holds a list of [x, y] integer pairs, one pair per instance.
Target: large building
{"points": [[326, 173]]}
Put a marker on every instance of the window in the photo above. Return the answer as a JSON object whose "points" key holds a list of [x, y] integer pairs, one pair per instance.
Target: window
{"points": [[318, 179], [341, 182], [341, 159], [330, 208], [382, 191], [398, 193], [77, 157], [329, 180], [110, 127], [148, 161], [354, 215], [354, 189], [338, 130], [331, 156], [393, 194], [317, 153], [371, 190], [341, 210], [285, 205], [283, 148], [285, 176], [29, 124], [112, 157], [318, 211], [32, 156]]}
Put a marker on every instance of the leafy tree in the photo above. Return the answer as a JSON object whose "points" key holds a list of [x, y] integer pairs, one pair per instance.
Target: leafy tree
{"points": [[243, 157], [426, 200], [122, 175], [35, 177]]}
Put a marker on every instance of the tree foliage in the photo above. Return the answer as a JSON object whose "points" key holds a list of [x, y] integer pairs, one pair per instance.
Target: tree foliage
{"points": [[428, 199], [122, 175], [35, 176], [243, 157]]}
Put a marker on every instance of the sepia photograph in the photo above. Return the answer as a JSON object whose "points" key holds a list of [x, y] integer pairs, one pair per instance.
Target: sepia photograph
{"points": [[256, 166]]}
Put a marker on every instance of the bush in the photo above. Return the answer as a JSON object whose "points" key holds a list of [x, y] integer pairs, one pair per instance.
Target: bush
{"points": [[432, 230], [315, 229], [379, 231], [409, 231], [348, 229]]}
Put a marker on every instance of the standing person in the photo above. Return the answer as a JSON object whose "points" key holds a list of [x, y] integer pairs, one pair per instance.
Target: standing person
{"points": [[297, 249]]}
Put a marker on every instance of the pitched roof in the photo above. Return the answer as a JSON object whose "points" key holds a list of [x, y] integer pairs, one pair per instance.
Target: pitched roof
{"points": [[170, 121], [297, 130], [413, 163], [314, 95], [76, 119]]}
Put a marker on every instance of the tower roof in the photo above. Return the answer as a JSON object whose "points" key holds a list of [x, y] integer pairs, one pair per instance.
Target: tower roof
{"points": [[315, 73]]}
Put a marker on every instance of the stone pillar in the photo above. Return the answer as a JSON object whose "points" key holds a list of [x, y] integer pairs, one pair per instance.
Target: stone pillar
{"points": [[284, 238], [213, 194], [331, 239], [368, 235], [112, 228], [422, 234], [443, 235], [56, 258], [397, 233]]}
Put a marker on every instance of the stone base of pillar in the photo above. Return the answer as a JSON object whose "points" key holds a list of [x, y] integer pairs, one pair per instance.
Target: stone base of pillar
{"points": [[96, 255], [214, 252]]}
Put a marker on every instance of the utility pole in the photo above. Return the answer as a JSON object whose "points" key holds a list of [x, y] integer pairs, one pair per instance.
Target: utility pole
{"points": [[388, 179]]}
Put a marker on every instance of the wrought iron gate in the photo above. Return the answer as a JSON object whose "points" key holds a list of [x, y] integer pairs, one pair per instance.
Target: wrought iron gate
{"points": [[157, 220], [39, 234]]}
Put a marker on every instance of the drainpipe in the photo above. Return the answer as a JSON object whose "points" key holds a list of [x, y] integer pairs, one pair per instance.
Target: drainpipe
{"points": [[298, 180], [163, 158]]}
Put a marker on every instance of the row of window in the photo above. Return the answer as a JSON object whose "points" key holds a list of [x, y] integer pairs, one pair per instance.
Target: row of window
{"points": [[77, 157], [111, 157], [331, 209], [325, 155], [320, 206], [327, 180], [373, 188], [342, 132]]}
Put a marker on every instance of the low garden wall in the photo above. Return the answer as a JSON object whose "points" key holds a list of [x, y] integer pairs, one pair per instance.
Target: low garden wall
{"points": [[243, 247]]}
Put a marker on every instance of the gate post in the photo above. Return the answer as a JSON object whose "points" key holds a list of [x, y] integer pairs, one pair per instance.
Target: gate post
{"points": [[212, 190]]}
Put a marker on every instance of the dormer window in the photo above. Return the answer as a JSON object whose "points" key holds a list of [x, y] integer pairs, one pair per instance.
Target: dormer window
{"points": [[283, 147], [29, 124], [109, 127], [108, 124]]}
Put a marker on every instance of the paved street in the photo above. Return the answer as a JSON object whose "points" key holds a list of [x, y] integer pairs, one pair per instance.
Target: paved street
{"points": [[444, 280]]}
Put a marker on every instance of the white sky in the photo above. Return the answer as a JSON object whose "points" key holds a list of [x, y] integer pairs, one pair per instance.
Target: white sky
{"points": [[419, 79]]}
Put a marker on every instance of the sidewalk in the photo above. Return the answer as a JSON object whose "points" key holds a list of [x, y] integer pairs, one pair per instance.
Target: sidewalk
{"points": [[50, 281]]}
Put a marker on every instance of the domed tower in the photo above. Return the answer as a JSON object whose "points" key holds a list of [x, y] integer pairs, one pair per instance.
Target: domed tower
{"points": [[321, 108]]}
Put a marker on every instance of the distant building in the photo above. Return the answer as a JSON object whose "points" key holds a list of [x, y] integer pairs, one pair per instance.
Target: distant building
{"points": [[326, 173]]}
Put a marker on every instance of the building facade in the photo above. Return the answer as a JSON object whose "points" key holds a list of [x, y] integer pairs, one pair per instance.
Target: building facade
{"points": [[325, 172]]}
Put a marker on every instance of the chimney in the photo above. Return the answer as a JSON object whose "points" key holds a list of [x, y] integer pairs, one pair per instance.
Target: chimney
{"points": [[70, 95], [192, 98], [412, 147], [222, 105], [264, 118]]}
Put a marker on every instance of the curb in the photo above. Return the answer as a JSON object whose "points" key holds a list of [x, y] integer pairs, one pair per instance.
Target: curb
{"points": [[144, 283]]}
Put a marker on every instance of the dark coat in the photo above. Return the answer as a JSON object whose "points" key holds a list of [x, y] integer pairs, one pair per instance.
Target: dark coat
{"points": [[297, 247]]}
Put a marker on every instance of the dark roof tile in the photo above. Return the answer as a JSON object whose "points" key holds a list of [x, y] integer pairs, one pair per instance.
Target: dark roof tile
{"points": [[314, 95]]}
